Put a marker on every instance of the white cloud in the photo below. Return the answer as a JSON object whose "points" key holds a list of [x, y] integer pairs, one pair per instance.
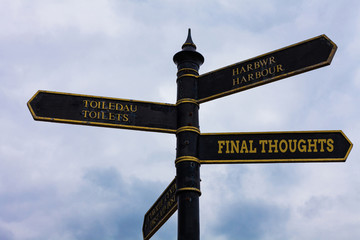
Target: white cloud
{"points": [[48, 17]]}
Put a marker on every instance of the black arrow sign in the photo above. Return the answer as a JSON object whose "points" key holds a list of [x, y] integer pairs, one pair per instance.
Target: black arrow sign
{"points": [[101, 111], [161, 211], [317, 146], [289, 61]]}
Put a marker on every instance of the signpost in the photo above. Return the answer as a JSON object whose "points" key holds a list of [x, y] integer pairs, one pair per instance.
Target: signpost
{"points": [[182, 119]]}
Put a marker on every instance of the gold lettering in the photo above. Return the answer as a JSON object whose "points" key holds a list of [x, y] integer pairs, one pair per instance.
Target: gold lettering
{"points": [[330, 143], [111, 116], [312, 145], [322, 141], [279, 68], [118, 116], [263, 62], [242, 70], [244, 147], [252, 150], [126, 108], [249, 67], [86, 103], [111, 106], [302, 145], [103, 105], [263, 142], [235, 146], [119, 107], [235, 71], [292, 148], [273, 145], [85, 113], [273, 70], [92, 114], [103, 116], [93, 104], [220, 146], [227, 146], [236, 81], [284, 148], [125, 117], [264, 72], [271, 60]]}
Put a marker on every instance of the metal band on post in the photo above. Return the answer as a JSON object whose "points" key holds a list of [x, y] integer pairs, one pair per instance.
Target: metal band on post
{"points": [[188, 129], [186, 70], [187, 159], [189, 189], [187, 100]]}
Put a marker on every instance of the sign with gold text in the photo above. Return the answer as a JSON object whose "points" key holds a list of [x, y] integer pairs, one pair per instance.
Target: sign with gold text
{"points": [[101, 111], [164, 207], [316, 146], [289, 61]]}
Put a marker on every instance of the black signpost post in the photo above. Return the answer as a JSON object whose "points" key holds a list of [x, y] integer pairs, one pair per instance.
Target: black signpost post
{"points": [[182, 119]]}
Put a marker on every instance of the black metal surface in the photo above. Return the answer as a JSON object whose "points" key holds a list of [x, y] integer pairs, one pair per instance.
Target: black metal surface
{"points": [[298, 58], [100, 111], [188, 62], [317, 146]]}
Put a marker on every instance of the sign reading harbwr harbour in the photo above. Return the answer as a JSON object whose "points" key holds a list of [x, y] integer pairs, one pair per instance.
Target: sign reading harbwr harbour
{"points": [[286, 62], [194, 148]]}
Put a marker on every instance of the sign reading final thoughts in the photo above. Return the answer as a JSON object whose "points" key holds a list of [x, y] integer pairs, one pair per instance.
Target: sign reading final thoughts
{"points": [[309, 146], [101, 111]]}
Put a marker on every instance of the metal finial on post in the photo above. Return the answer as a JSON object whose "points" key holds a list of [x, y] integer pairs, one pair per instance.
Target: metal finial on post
{"points": [[189, 44], [189, 52]]}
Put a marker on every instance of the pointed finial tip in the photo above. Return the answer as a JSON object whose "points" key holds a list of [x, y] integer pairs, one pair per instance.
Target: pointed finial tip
{"points": [[189, 42]]}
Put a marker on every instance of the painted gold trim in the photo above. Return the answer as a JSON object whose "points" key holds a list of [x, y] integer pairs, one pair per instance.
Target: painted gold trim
{"points": [[189, 189], [247, 161], [188, 75], [189, 44], [187, 159], [187, 100], [188, 129], [187, 69]]}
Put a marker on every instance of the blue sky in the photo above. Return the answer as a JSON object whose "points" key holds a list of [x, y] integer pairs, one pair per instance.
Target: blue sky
{"points": [[71, 182]]}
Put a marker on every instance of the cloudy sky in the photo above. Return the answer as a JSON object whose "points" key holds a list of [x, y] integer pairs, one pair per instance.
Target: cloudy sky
{"points": [[72, 182]]}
